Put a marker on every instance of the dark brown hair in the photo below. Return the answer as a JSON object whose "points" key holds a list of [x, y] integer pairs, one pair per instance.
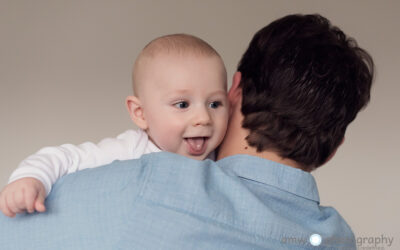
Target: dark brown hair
{"points": [[303, 82]]}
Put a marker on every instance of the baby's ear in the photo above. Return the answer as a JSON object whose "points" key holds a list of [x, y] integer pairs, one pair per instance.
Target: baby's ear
{"points": [[136, 113]]}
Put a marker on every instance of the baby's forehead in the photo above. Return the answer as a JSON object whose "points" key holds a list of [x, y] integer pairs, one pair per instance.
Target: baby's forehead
{"points": [[178, 65], [174, 64], [173, 74]]}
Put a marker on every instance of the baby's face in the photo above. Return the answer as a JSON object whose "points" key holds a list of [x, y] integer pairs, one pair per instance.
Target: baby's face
{"points": [[184, 100]]}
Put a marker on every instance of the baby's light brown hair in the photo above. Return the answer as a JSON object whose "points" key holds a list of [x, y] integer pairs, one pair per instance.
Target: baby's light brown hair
{"points": [[178, 44]]}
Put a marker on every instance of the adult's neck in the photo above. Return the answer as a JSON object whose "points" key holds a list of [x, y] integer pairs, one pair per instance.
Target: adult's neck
{"points": [[235, 143]]}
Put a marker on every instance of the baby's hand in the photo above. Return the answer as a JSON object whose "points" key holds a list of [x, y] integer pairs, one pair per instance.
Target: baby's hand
{"points": [[26, 194]]}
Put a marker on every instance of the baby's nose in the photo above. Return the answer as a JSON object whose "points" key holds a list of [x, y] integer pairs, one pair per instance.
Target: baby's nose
{"points": [[202, 117]]}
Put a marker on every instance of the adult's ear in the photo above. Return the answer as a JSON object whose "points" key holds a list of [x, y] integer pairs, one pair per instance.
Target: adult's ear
{"points": [[235, 92], [136, 112]]}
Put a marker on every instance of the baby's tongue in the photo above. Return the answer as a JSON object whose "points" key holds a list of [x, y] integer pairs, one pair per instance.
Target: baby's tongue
{"points": [[196, 143]]}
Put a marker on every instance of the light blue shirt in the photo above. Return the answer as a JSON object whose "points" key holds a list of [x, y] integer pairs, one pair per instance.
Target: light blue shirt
{"points": [[167, 201]]}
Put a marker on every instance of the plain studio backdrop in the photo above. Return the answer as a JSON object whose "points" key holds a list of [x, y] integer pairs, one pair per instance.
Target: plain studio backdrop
{"points": [[65, 70]]}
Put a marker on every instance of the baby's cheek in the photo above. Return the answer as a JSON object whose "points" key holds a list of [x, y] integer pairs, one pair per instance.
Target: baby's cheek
{"points": [[222, 122], [157, 136], [168, 141]]}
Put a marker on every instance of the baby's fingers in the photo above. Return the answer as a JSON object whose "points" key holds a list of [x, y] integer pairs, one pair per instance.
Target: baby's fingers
{"points": [[19, 200], [39, 203], [30, 197], [4, 207], [12, 206], [7, 211], [1, 201]]}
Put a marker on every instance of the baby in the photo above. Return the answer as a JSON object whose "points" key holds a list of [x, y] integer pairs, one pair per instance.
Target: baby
{"points": [[180, 105]]}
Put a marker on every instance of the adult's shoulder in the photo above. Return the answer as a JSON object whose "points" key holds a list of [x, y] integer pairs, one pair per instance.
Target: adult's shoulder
{"points": [[107, 178], [335, 228]]}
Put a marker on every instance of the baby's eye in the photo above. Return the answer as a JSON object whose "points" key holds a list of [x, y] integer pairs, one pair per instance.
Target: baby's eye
{"points": [[215, 105], [182, 105]]}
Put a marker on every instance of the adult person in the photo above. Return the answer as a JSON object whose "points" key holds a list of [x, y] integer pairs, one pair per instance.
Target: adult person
{"points": [[298, 86]]}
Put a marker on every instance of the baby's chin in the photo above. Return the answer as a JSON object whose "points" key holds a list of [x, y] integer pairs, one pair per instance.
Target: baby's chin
{"points": [[198, 157]]}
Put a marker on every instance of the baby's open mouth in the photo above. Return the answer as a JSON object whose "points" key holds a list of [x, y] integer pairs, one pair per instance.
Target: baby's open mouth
{"points": [[196, 145]]}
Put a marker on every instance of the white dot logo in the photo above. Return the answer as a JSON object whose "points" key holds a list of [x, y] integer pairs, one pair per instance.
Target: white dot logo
{"points": [[315, 239]]}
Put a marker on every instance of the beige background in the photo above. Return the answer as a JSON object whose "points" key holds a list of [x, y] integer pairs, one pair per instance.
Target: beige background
{"points": [[65, 71]]}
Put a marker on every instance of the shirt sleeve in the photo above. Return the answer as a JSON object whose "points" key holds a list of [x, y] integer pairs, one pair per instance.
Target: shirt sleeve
{"points": [[51, 163]]}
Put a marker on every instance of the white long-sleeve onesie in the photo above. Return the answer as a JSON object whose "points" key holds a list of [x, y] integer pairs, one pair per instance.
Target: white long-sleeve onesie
{"points": [[51, 163]]}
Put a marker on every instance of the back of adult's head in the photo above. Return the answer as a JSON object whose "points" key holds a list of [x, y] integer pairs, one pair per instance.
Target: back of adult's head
{"points": [[303, 82]]}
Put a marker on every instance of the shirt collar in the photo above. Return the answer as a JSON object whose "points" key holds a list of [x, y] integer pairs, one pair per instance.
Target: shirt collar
{"points": [[268, 172]]}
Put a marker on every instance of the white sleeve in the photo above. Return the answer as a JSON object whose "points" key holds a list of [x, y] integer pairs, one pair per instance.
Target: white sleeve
{"points": [[51, 163]]}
